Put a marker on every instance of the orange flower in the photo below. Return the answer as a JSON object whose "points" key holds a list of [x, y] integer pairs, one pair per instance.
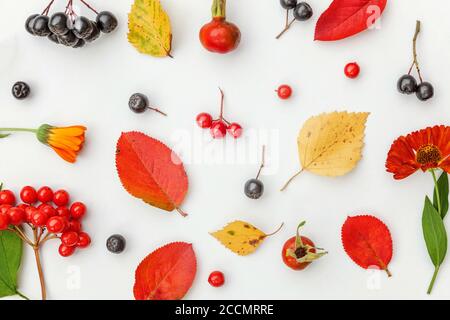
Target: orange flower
{"points": [[66, 141], [425, 149]]}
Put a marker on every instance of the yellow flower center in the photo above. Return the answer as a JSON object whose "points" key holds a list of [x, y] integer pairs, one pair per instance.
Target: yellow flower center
{"points": [[428, 154]]}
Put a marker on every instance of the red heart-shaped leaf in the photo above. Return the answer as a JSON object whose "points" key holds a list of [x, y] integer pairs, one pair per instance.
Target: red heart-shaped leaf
{"points": [[345, 18], [167, 273], [367, 241], [150, 171]]}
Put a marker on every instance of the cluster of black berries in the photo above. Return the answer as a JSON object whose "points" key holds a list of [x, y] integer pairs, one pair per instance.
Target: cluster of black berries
{"points": [[407, 84], [67, 30]]}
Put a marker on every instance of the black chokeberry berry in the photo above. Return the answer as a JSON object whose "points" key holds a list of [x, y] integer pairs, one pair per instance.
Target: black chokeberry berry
{"points": [[303, 11], [407, 84], [40, 26], [69, 39], [79, 44], [138, 103], [82, 27], [116, 243], [424, 91], [95, 33], [53, 38], [29, 23], [106, 21], [254, 188], [58, 23], [20, 90], [288, 4]]}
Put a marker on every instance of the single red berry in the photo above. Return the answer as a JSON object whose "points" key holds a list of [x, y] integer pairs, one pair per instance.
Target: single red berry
{"points": [[29, 212], [56, 224], [16, 216], [45, 194], [69, 238], [38, 218], [4, 221], [216, 279], [4, 208], [63, 212], [235, 130], [48, 210], [218, 129], [77, 210], [84, 240], [352, 70], [74, 225], [61, 198], [204, 120], [7, 197], [28, 195], [284, 92], [66, 251]]}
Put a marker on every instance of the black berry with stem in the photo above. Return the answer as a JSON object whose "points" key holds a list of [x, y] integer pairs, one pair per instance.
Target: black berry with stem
{"points": [[29, 23], [106, 22], [20, 90], [407, 84], [254, 188], [424, 91], [139, 103], [58, 23], [40, 26], [116, 243], [303, 11], [288, 4], [82, 27]]}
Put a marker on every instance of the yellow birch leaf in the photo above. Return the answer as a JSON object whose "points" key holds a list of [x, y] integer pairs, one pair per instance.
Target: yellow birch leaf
{"points": [[331, 144], [241, 237], [149, 28]]}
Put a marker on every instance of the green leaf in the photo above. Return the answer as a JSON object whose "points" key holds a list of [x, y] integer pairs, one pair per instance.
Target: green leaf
{"points": [[434, 233], [443, 194], [4, 135], [10, 257]]}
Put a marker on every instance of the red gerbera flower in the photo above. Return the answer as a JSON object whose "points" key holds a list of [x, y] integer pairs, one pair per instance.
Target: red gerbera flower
{"points": [[425, 149]]}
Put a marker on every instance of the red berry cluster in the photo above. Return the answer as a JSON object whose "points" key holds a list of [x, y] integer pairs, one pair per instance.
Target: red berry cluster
{"points": [[48, 214], [219, 127]]}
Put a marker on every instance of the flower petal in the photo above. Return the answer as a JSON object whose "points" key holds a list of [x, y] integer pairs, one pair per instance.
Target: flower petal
{"points": [[69, 156]]}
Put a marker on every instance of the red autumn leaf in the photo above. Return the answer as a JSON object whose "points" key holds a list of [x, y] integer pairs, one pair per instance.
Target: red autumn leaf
{"points": [[345, 18], [368, 242], [150, 171], [167, 273]]}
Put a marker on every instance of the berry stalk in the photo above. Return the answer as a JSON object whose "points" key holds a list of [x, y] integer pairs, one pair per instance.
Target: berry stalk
{"points": [[39, 264], [415, 60], [262, 162], [89, 6], [287, 27]]}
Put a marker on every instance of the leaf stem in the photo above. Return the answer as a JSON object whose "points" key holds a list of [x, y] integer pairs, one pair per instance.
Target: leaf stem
{"points": [[430, 287], [181, 212], [290, 180], [388, 272], [20, 294], [436, 188], [276, 231]]}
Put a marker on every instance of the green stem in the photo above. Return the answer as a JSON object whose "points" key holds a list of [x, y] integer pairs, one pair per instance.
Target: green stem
{"points": [[20, 294], [430, 287], [436, 188], [19, 130], [219, 8]]}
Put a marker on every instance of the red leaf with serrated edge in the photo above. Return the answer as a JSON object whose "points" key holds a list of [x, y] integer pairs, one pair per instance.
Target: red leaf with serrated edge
{"points": [[368, 242], [150, 171], [167, 273], [345, 18]]}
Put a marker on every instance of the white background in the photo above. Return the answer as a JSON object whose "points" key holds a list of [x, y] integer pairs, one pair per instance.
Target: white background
{"points": [[91, 86]]}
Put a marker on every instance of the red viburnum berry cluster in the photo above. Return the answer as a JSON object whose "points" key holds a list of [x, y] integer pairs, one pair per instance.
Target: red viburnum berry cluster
{"points": [[219, 127], [49, 216]]}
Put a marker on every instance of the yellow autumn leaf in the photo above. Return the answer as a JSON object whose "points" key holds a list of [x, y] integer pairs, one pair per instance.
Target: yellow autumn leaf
{"points": [[149, 28], [241, 237], [330, 144]]}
